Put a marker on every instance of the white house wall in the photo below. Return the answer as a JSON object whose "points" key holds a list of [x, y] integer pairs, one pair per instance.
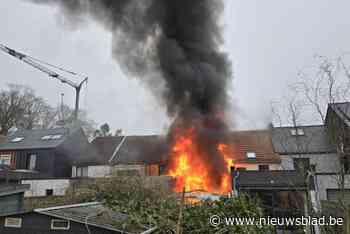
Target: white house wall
{"points": [[38, 187], [324, 182], [99, 171], [325, 163]]}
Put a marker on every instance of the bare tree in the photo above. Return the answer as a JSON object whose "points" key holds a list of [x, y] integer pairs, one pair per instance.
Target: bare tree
{"points": [[20, 107]]}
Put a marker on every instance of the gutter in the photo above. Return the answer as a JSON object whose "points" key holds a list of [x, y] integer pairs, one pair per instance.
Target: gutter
{"points": [[149, 231]]}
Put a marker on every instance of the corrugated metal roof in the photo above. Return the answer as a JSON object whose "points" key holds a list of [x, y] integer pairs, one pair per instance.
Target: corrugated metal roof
{"points": [[32, 139], [93, 213], [314, 140]]}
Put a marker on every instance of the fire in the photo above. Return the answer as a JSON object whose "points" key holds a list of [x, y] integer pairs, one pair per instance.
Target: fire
{"points": [[190, 166]]}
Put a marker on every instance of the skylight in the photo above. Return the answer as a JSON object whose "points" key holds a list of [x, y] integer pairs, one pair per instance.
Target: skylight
{"points": [[55, 137], [17, 139], [51, 137], [47, 137], [297, 132], [251, 155]]}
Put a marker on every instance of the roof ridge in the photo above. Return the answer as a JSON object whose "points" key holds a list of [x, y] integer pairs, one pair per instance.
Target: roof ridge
{"points": [[302, 126], [67, 206]]}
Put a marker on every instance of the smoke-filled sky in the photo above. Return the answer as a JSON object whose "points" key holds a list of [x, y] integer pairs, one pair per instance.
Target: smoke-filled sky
{"points": [[268, 41]]}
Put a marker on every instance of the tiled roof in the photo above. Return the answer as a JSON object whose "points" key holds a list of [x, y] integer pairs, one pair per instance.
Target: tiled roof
{"points": [[32, 139], [153, 149], [270, 179], [258, 142], [314, 140]]}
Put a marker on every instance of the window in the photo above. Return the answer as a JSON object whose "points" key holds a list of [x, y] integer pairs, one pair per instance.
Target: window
{"points": [[251, 155], [13, 222], [297, 132], [30, 162], [51, 137], [56, 137], [48, 137], [5, 159], [264, 167], [82, 172], [49, 192], [300, 132], [301, 164], [60, 224], [17, 139]]}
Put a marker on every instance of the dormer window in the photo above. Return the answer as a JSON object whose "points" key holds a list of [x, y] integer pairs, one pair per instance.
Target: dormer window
{"points": [[297, 132], [56, 137], [17, 139], [51, 137], [251, 155], [48, 137]]}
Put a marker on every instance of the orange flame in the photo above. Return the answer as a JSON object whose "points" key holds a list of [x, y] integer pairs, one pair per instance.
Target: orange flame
{"points": [[192, 171]]}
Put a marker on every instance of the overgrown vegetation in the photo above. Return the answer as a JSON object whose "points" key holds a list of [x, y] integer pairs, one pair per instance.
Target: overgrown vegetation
{"points": [[152, 206], [148, 203]]}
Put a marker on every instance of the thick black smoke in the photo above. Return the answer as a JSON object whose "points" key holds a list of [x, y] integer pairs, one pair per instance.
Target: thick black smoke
{"points": [[173, 45]]}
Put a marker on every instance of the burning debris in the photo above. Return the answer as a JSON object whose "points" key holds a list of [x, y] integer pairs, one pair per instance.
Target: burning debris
{"points": [[174, 47]]}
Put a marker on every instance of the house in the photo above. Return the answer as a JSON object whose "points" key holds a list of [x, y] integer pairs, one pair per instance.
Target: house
{"points": [[282, 193], [12, 198], [253, 150], [78, 218], [148, 155], [308, 149], [322, 150], [48, 153], [125, 155]]}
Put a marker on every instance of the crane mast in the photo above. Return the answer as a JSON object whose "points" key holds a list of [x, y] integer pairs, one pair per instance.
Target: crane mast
{"points": [[38, 65]]}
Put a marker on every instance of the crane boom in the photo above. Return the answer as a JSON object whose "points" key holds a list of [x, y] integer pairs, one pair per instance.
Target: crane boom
{"points": [[34, 63]]}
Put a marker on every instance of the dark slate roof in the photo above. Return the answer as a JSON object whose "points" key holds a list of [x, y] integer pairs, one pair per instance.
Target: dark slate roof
{"points": [[32, 139], [105, 147], [142, 149], [315, 140], [94, 213], [270, 179], [258, 141], [342, 110], [10, 189]]}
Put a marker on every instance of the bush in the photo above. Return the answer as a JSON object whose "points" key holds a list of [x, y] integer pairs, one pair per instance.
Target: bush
{"points": [[153, 206]]}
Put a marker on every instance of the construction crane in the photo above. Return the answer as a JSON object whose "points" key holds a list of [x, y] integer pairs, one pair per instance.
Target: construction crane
{"points": [[43, 66]]}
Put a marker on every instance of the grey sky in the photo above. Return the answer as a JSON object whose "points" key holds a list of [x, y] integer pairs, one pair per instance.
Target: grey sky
{"points": [[268, 42]]}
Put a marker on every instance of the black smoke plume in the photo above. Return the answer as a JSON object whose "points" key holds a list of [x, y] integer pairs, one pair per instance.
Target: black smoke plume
{"points": [[174, 46]]}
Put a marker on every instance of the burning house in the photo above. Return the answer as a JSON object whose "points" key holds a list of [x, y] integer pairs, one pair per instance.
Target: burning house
{"points": [[174, 47]]}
